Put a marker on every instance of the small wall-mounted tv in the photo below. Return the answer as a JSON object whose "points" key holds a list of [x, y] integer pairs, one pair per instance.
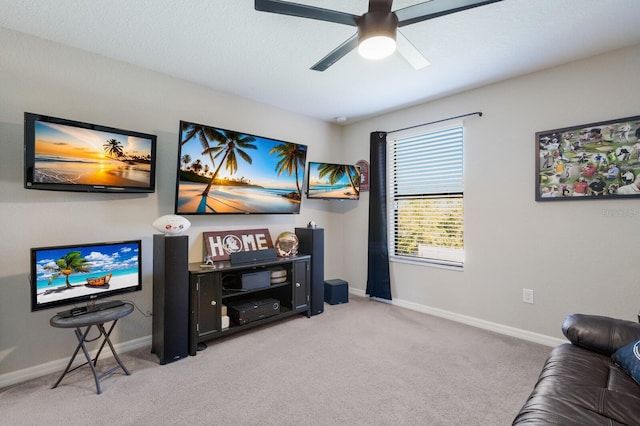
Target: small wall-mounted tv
{"points": [[228, 172], [66, 155], [330, 181], [64, 275]]}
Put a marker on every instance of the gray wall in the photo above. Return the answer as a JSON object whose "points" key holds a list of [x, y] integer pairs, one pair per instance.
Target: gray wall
{"points": [[576, 256], [46, 78]]}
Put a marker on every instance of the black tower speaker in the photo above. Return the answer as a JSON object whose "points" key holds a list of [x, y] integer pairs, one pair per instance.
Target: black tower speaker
{"points": [[311, 241], [170, 327]]}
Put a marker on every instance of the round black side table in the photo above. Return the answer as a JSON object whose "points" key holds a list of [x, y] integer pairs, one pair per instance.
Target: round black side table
{"points": [[97, 318]]}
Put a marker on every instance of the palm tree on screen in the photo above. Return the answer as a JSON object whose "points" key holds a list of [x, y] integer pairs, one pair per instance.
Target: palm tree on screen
{"points": [[230, 146], [197, 166], [291, 158], [67, 265], [114, 148], [335, 172], [205, 135], [186, 159]]}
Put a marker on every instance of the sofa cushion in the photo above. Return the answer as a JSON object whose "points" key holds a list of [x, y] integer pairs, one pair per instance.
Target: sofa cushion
{"points": [[601, 334], [581, 387], [628, 357]]}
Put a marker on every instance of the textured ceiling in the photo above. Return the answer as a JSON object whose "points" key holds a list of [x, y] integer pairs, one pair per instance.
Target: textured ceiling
{"points": [[230, 47]]}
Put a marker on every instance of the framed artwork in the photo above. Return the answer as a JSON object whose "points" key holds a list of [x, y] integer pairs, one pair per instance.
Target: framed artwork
{"points": [[591, 161]]}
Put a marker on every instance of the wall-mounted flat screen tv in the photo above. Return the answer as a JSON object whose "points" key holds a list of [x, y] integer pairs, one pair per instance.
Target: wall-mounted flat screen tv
{"points": [[64, 275], [228, 172], [329, 181], [65, 155]]}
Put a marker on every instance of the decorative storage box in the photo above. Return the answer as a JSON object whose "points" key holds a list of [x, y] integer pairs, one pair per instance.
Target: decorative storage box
{"points": [[336, 291]]}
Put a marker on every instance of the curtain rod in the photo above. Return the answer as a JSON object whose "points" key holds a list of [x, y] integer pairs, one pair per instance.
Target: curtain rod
{"points": [[478, 113]]}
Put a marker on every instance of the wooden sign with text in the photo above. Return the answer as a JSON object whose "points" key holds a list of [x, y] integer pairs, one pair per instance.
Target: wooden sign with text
{"points": [[219, 245]]}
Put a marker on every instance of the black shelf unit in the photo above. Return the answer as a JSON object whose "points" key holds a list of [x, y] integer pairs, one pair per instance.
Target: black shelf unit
{"points": [[208, 292]]}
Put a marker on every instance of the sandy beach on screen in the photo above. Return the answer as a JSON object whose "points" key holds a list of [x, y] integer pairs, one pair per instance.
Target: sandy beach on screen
{"points": [[109, 175], [342, 193], [230, 199], [116, 282]]}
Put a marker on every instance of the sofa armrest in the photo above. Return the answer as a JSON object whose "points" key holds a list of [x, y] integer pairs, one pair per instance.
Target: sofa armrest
{"points": [[600, 334]]}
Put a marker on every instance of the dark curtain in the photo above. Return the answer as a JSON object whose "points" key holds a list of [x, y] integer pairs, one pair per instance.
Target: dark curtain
{"points": [[378, 280]]}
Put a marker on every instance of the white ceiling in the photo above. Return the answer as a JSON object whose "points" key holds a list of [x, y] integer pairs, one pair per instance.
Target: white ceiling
{"points": [[232, 48]]}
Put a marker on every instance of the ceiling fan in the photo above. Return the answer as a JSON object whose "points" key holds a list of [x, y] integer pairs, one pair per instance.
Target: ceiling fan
{"points": [[378, 34]]}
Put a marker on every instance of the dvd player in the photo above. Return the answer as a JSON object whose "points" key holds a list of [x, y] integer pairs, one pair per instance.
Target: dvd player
{"points": [[246, 311], [81, 310]]}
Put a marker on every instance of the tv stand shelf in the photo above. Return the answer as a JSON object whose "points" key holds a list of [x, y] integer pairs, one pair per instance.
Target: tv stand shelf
{"points": [[230, 293], [212, 286]]}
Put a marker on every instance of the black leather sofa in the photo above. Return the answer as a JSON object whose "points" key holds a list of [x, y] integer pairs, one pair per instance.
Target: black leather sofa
{"points": [[580, 384]]}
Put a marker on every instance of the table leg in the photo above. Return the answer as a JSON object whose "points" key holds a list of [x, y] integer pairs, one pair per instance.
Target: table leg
{"points": [[107, 340], [81, 338], [106, 336]]}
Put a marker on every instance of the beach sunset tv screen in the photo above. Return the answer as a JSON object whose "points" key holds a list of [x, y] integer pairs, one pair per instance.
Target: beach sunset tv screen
{"points": [[67, 155], [228, 172], [64, 275], [329, 181]]}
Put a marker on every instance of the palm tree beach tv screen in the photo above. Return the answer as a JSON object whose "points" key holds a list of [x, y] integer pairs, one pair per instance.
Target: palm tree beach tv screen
{"points": [[65, 155], [227, 172], [64, 275], [329, 181]]}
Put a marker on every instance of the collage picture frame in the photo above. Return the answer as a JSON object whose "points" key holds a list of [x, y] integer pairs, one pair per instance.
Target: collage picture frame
{"points": [[591, 161]]}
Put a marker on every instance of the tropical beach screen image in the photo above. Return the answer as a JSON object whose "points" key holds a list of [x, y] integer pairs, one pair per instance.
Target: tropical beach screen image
{"points": [[63, 275], [227, 172], [333, 181], [75, 156]]}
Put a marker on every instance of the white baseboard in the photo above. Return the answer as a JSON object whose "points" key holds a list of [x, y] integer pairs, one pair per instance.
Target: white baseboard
{"points": [[58, 365], [475, 322]]}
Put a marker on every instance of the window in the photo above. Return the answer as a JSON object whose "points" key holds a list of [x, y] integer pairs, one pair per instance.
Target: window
{"points": [[426, 186]]}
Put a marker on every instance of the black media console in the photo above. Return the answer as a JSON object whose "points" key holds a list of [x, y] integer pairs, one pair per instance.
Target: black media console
{"points": [[250, 294]]}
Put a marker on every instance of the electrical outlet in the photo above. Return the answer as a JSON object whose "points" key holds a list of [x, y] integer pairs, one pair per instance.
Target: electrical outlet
{"points": [[527, 295]]}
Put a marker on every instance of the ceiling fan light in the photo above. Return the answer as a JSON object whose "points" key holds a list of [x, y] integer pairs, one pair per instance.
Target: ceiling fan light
{"points": [[377, 47], [377, 34]]}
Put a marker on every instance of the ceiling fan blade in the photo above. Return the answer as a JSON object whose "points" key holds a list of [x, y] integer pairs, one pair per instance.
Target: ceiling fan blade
{"points": [[434, 8], [337, 53], [409, 52], [304, 11]]}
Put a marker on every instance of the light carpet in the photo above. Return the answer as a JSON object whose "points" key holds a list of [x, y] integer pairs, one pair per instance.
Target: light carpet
{"points": [[360, 363]]}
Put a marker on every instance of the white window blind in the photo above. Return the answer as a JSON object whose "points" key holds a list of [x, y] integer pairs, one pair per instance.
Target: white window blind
{"points": [[426, 187]]}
